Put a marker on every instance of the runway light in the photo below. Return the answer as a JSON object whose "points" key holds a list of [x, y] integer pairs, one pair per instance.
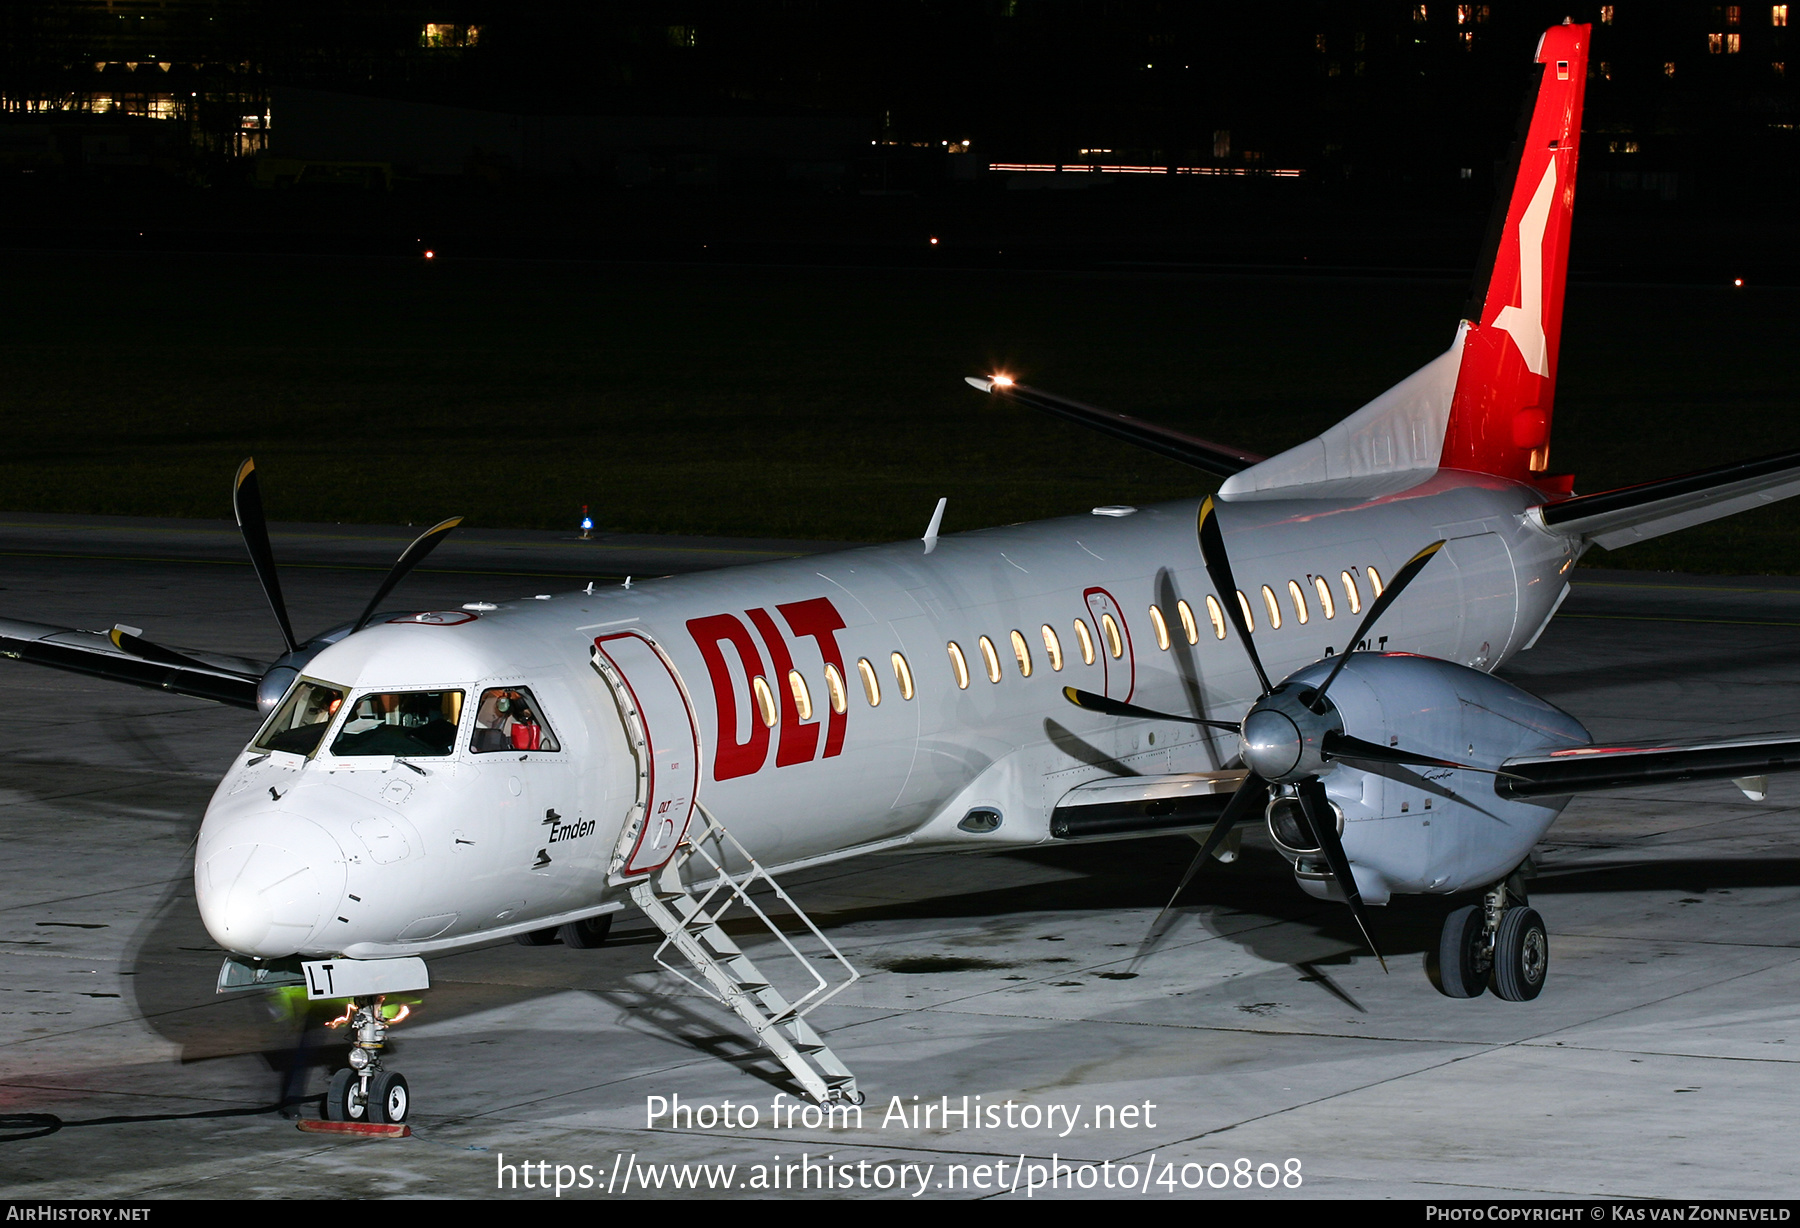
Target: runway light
{"points": [[587, 523], [1738, 282], [934, 242]]}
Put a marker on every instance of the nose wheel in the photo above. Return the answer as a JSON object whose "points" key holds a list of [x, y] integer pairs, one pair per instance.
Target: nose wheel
{"points": [[364, 1091]]}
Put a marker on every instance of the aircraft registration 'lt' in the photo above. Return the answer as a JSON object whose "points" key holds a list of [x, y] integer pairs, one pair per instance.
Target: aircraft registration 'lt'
{"points": [[426, 783]]}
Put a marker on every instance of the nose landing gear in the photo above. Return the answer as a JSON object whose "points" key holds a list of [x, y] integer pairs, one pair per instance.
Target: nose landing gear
{"points": [[364, 1091], [1499, 942]]}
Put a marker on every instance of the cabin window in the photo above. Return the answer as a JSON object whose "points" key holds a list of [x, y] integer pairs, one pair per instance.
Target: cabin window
{"points": [[1115, 643], [990, 659], [1053, 647], [802, 696], [834, 689], [412, 724], [1324, 591], [1216, 616], [300, 724], [1268, 596], [1162, 628], [959, 664], [903, 675], [1351, 594], [1375, 581], [1299, 600], [765, 700], [508, 718], [1087, 642], [1021, 654], [1188, 627], [1244, 606], [871, 684]]}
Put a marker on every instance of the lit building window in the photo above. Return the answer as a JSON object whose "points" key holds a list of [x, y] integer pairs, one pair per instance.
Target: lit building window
{"points": [[1418, 12], [1481, 14], [1605, 71], [1161, 627], [1319, 42], [802, 696], [959, 664], [1606, 14], [765, 700], [1115, 643], [1324, 591], [1780, 67], [990, 659], [871, 684], [1715, 43], [903, 675], [1778, 14], [1466, 38], [1021, 654], [1053, 647], [1086, 639], [1669, 68], [1734, 43], [447, 34], [1299, 600], [1465, 13], [1188, 627], [834, 687], [1734, 14], [1268, 596], [683, 36]]}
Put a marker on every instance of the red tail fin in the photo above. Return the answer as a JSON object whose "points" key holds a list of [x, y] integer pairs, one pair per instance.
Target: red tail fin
{"points": [[1505, 389]]}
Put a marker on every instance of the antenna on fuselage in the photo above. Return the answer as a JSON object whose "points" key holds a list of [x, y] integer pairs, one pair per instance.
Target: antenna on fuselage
{"points": [[931, 530]]}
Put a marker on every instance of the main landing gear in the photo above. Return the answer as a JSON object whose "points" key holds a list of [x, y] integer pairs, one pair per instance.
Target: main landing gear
{"points": [[363, 1091], [1499, 942]]}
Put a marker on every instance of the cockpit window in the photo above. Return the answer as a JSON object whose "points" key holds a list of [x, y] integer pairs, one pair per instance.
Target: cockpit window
{"points": [[507, 718], [409, 724], [302, 720]]}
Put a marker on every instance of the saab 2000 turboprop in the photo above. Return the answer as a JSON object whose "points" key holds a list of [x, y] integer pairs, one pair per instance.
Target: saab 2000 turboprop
{"points": [[428, 783]]}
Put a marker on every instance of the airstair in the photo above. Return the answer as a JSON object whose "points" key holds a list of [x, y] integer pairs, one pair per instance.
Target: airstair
{"points": [[689, 899]]}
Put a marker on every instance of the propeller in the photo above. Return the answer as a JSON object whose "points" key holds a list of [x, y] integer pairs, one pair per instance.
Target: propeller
{"points": [[246, 501], [1289, 735]]}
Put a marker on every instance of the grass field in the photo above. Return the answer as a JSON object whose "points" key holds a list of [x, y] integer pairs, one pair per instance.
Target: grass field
{"points": [[795, 402]]}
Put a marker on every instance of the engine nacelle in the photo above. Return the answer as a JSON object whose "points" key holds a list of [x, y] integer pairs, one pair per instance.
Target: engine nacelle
{"points": [[1427, 829]]}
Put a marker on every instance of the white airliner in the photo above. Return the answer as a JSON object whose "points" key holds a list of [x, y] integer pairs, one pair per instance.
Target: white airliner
{"points": [[1311, 647]]}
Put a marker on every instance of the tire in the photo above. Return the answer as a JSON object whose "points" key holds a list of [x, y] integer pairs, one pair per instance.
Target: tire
{"points": [[587, 933], [1460, 956], [344, 1101], [536, 938], [389, 1098], [1521, 955]]}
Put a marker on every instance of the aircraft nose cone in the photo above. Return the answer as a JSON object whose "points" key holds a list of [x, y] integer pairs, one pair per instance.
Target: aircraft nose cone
{"points": [[266, 889], [1272, 744]]}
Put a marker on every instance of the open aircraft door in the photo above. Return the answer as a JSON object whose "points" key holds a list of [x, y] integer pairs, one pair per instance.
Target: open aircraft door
{"points": [[665, 738]]}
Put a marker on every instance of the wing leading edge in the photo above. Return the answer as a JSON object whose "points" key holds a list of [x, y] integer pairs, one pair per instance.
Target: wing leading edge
{"points": [[226, 680]]}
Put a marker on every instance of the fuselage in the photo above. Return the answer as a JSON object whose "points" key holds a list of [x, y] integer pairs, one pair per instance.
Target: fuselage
{"points": [[829, 705]]}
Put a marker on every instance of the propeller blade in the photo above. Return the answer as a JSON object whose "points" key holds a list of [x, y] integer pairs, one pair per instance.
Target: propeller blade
{"points": [[1087, 701], [1389, 595], [127, 640], [1218, 567], [1318, 817], [1343, 746], [1251, 794], [246, 503], [410, 558]]}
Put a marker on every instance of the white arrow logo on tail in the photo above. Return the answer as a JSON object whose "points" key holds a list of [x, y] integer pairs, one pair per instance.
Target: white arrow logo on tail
{"points": [[1526, 321]]}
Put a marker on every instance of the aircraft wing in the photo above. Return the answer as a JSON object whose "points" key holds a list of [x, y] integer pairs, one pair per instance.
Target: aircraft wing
{"points": [[1614, 518], [1188, 449], [1143, 805], [226, 680], [1590, 769]]}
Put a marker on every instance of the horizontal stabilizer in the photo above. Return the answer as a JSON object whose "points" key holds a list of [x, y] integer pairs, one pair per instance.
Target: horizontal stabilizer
{"points": [[1592, 769], [1189, 450], [1615, 518], [226, 680], [1143, 805]]}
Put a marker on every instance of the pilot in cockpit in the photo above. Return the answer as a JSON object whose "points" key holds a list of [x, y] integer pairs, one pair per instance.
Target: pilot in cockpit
{"points": [[506, 720]]}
